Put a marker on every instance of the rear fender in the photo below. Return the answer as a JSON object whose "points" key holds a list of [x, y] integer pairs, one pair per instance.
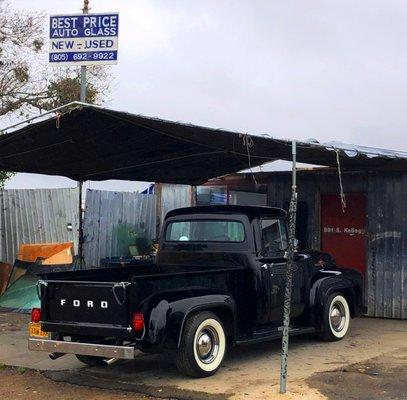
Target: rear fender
{"points": [[324, 286], [167, 319]]}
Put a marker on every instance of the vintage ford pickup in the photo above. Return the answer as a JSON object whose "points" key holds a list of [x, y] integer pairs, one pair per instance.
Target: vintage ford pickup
{"points": [[218, 281]]}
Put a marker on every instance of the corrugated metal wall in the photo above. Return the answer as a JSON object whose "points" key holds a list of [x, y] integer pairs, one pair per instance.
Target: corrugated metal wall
{"points": [[111, 220], [386, 276], [387, 246], [36, 216]]}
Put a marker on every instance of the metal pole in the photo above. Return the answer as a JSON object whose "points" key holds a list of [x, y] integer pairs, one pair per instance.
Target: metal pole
{"points": [[85, 10], [289, 272], [83, 84], [80, 229]]}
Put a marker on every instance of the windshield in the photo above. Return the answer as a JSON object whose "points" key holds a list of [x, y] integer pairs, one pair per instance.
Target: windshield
{"points": [[205, 231]]}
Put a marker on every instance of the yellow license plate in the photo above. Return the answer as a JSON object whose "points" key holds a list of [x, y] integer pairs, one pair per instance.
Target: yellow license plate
{"points": [[34, 329]]}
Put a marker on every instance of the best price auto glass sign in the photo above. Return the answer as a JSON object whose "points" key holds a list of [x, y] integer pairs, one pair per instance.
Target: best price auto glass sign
{"points": [[84, 39]]}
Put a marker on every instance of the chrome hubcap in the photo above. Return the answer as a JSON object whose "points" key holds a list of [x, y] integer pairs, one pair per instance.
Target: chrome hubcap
{"points": [[207, 344], [337, 316]]}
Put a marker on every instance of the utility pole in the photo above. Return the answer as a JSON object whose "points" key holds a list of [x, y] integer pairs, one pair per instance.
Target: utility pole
{"points": [[85, 10], [289, 272]]}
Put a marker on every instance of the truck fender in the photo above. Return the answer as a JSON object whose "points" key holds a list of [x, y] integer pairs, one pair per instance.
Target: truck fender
{"points": [[323, 287], [167, 319]]}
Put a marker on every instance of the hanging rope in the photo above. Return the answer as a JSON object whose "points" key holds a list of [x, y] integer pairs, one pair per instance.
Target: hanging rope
{"points": [[342, 193], [249, 143], [57, 119]]}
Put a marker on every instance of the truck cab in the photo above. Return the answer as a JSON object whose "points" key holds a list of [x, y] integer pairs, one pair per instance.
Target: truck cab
{"points": [[218, 281]]}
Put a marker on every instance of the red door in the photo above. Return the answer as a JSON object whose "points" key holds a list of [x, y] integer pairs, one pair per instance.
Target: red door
{"points": [[343, 234]]}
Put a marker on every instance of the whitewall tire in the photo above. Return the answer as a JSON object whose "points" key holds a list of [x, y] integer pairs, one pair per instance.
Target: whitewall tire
{"points": [[336, 318], [203, 345]]}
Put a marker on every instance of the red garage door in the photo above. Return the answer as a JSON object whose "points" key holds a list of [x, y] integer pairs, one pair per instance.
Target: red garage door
{"points": [[343, 233]]}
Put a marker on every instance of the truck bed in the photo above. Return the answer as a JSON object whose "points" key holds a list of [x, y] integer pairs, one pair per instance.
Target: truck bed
{"points": [[78, 302]]}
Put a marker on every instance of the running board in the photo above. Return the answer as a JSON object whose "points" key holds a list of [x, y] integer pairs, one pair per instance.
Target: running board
{"points": [[263, 336]]}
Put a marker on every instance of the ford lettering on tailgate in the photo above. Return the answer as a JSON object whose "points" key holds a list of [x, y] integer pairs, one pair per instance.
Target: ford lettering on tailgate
{"points": [[80, 302], [88, 303]]}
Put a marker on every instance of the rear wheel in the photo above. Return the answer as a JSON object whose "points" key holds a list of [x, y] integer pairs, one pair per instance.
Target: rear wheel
{"points": [[336, 318], [203, 345]]}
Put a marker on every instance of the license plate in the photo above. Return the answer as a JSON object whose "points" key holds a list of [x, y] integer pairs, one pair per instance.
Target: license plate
{"points": [[34, 329]]}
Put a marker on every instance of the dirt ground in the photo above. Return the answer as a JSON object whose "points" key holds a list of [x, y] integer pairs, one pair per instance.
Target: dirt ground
{"points": [[383, 377], [19, 383], [370, 363]]}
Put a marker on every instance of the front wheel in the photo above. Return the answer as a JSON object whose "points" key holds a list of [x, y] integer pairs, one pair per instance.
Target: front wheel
{"points": [[203, 345], [336, 318]]}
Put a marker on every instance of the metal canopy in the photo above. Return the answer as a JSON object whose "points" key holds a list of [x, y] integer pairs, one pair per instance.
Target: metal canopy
{"points": [[86, 142]]}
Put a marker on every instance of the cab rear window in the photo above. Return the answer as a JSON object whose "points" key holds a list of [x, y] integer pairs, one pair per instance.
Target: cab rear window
{"points": [[205, 231]]}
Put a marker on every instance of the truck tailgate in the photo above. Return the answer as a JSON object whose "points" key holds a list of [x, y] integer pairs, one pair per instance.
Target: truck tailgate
{"points": [[86, 302]]}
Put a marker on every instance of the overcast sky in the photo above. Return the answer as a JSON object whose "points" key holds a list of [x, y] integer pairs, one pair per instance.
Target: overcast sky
{"points": [[292, 69]]}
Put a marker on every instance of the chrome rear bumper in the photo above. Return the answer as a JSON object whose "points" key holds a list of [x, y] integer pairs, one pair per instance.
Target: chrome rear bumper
{"points": [[86, 349]]}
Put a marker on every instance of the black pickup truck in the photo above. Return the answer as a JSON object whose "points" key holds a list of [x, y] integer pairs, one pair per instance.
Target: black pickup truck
{"points": [[218, 281]]}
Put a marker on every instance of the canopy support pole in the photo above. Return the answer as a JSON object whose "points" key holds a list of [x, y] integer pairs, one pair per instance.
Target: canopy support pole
{"points": [[80, 228], [289, 272]]}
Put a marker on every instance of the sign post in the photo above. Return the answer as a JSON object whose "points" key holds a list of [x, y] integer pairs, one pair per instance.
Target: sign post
{"points": [[289, 273], [82, 40], [80, 184], [83, 67]]}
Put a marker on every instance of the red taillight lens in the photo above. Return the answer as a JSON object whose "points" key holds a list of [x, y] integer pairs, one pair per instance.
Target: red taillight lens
{"points": [[138, 321], [36, 315]]}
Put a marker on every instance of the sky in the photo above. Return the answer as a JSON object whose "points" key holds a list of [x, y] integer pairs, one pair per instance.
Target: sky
{"points": [[290, 69]]}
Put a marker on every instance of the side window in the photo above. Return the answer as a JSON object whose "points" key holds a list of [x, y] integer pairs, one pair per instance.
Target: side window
{"points": [[274, 236]]}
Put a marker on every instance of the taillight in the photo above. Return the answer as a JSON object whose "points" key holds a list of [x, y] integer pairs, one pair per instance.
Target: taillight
{"points": [[36, 315], [138, 321]]}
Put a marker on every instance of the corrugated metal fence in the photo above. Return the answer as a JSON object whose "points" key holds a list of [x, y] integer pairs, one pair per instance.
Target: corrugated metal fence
{"points": [[112, 220], [174, 196], [36, 216]]}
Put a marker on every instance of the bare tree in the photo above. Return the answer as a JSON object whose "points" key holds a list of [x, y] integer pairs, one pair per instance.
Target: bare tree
{"points": [[21, 41], [26, 81]]}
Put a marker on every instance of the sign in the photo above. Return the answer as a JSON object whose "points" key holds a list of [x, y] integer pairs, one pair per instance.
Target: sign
{"points": [[84, 39]]}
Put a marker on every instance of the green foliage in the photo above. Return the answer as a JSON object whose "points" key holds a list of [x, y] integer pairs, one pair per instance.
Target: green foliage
{"points": [[4, 176], [21, 370], [65, 86], [144, 245]]}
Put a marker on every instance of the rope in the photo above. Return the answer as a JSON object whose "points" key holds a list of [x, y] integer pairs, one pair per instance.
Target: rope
{"points": [[57, 120], [249, 144], [342, 193]]}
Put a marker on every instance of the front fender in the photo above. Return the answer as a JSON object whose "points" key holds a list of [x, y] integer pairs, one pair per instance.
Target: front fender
{"points": [[167, 319]]}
